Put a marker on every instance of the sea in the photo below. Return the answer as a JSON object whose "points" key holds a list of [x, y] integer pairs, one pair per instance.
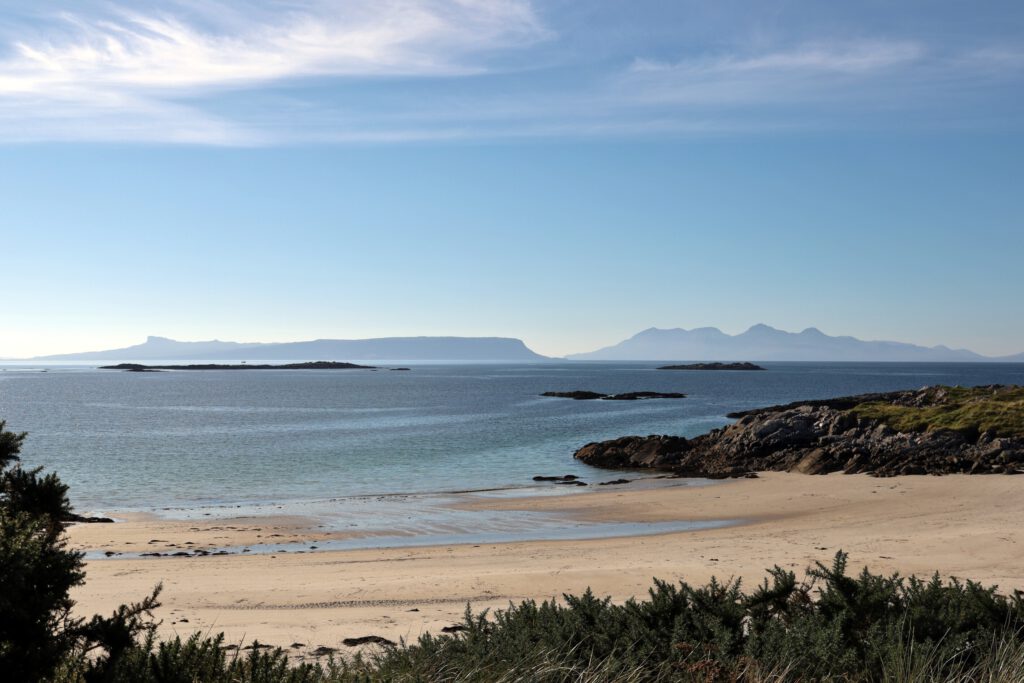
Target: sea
{"points": [[381, 451]]}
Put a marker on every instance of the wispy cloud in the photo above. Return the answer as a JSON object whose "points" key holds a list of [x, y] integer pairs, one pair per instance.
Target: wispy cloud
{"points": [[301, 71], [814, 71], [121, 69], [379, 37], [815, 58]]}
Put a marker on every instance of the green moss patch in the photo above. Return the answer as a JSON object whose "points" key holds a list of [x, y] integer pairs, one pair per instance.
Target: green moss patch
{"points": [[971, 410]]}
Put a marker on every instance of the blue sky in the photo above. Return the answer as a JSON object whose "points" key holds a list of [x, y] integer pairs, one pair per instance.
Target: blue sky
{"points": [[565, 172]]}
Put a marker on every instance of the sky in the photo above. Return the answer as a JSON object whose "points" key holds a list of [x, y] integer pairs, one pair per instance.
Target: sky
{"points": [[565, 172]]}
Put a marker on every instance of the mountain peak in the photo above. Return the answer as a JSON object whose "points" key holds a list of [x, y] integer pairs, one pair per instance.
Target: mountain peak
{"points": [[760, 327], [765, 343]]}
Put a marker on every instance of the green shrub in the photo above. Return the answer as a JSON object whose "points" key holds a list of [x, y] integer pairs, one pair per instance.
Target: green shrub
{"points": [[38, 635]]}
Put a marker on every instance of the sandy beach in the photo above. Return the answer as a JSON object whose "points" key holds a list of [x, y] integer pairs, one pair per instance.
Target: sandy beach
{"points": [[971, 527]]}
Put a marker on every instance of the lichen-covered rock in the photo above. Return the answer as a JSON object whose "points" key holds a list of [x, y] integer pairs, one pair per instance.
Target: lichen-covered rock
{"points": [[819, 437]]}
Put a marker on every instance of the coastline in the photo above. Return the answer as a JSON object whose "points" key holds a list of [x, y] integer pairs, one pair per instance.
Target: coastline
{"points": [[966, 526], [393, 520]]}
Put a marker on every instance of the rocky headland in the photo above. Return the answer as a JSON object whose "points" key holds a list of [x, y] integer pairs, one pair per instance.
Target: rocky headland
{"points": [[595, 396], [935, 430], [713, 366]]}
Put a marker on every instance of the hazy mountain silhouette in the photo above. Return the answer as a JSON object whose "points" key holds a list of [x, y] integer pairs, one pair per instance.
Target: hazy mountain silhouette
{"points": [[762, 342], [386, 348]]}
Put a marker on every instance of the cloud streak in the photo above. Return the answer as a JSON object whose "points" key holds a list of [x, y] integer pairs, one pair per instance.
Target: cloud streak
{"points": [[392, 71], [850, 58], [814, 72], [132, 67]]}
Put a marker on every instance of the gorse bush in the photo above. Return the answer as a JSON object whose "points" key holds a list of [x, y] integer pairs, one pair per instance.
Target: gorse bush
{"points": [[829, 625], [37, 571]]}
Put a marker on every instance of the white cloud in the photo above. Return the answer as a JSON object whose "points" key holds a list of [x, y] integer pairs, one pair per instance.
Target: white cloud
{"points": [[203, 72], [112, 74], [851, 58], [386, 37], [811, 72], [998, 60]]}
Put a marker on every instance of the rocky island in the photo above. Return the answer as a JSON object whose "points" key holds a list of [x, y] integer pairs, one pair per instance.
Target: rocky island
{"points": [[313, 365], [713, 366], [594, 396], [935, 430]]}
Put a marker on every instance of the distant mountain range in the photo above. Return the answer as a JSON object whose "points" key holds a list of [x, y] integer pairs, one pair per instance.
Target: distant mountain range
{"points": [[759, 343], [765, 343], [386, 348]]}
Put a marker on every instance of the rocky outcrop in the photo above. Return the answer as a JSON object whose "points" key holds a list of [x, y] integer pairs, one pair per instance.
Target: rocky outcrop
{"points": [[819, 437], [79, 519], [312, 365], [628, 396], [658, 452], [367, 640], [713, 366], [575, 395]]}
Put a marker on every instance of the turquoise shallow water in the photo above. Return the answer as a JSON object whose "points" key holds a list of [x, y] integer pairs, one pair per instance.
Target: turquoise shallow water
{"points": [[184, 441], [400, 520]]}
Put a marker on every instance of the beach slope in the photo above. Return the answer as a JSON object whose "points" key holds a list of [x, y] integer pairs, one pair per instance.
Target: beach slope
{"points": [[961, 525]]}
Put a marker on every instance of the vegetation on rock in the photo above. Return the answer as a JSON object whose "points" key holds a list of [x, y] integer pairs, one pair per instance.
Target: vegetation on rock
{"points": [[975, 410]]}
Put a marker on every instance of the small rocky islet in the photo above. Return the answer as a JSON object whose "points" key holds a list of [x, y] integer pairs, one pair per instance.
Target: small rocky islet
{"points": [[934, 430], [713, 366], [595, 396], [312, 365]]}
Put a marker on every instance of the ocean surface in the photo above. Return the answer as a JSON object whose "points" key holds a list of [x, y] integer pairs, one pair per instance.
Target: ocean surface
{"points": [[180, 443]]}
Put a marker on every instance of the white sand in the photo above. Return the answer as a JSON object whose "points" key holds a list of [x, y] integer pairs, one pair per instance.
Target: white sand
{"points": [[972, 527]]}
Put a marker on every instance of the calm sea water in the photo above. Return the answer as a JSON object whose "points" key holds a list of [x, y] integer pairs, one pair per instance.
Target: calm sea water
{"points": [[186, 440]]}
